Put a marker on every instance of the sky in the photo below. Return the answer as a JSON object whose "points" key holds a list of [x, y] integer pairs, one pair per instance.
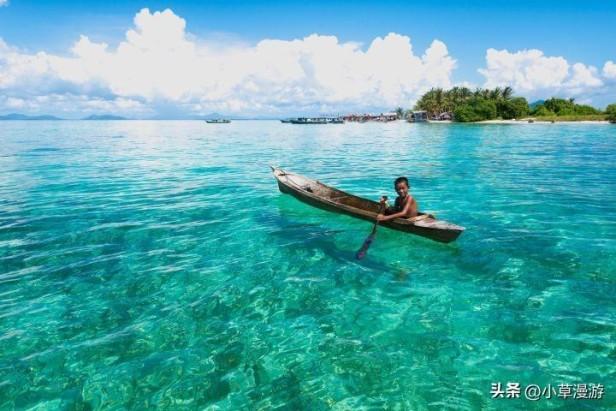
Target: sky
{"points": [[273, 58]]}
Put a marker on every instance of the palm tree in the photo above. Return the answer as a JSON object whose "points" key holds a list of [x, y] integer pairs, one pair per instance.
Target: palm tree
{"points": [[450, 99], [465, 93], [399, 113], [507, 93], [439, 99], [428, 101], [495, 94]]}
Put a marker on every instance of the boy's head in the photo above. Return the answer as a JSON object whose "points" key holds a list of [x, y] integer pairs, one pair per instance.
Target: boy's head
{"points": [[401, 185]]}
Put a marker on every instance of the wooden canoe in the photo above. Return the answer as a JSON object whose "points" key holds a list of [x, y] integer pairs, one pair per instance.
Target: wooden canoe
{"points": [[328, 198]]}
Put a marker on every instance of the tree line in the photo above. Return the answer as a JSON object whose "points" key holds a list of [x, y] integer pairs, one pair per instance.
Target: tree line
{"points": [[489, 104]]}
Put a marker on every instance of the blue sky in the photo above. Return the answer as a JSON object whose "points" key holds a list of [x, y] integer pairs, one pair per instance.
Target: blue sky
{"points": [[578, 32]]}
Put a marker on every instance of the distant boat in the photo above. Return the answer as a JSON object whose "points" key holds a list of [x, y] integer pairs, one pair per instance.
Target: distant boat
{"points": [[308, 120], [363, 118], [316, 120], [287, 120], [218, 121]]}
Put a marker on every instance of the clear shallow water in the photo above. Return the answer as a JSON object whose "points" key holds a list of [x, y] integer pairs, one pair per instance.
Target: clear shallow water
{"points": [[156, 264]]}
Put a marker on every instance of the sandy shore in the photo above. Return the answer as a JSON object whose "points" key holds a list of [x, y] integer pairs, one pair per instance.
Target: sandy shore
{"points": [[526, 121]]}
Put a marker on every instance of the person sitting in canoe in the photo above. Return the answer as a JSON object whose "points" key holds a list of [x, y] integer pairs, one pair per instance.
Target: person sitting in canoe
{"points": [[405, 205]]}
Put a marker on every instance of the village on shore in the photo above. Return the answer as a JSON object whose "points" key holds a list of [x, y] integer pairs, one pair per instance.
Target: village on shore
{"points": [[492, 106]]}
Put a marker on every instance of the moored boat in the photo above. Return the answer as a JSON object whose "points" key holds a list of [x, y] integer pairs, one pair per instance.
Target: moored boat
{"points": [[319, 195], [317, 120]]}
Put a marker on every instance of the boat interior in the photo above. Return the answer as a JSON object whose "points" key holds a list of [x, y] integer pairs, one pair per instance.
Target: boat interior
{"points": [[340, 197], [333, 194]]}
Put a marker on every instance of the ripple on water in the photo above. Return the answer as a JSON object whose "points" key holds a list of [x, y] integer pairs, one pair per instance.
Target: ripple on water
{"points": [[152, 264]]}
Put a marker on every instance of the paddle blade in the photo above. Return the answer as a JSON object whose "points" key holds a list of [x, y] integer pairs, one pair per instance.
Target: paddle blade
{"points": [[364, 248]]}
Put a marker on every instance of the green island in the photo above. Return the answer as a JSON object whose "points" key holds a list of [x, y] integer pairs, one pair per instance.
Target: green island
{"points": [[460, 104]]}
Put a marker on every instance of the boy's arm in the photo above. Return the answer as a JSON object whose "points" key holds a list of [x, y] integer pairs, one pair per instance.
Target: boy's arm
{"points": [[403, 213]]}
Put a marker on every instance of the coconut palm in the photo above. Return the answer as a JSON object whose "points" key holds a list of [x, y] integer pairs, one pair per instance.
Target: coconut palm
{"points": [[494, 94], [428, 101], [465, 93], [507, 93], [439, 99]]}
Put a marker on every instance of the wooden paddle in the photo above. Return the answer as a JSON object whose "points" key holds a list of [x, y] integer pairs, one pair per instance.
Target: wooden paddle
{"points": [[368, 241]]}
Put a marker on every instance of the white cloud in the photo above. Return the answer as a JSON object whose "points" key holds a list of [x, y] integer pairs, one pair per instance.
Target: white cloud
{"points": [[534, 74], [609, 70], [159, 63], [524, 70], [4, 3], [13, 102], [583, 78], [65, 104]]}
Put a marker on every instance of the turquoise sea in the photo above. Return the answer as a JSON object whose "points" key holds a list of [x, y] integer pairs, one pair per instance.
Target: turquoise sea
{"points": [[154, 264]]}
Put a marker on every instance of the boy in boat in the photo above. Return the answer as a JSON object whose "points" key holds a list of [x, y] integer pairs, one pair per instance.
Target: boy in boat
{"points": [[405, 205]]}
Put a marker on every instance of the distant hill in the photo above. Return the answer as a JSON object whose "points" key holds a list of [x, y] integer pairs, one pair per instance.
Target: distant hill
{"points": [[535, 104], [104, 117], [16, 116]]}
